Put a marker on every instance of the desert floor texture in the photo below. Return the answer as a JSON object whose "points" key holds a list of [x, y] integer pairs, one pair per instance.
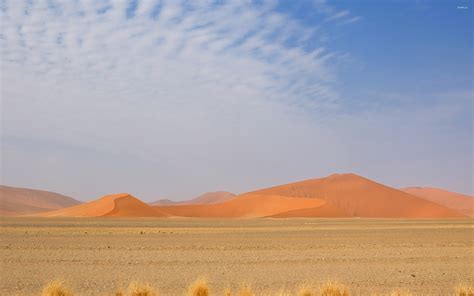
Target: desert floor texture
{"points": [[98, 256]]}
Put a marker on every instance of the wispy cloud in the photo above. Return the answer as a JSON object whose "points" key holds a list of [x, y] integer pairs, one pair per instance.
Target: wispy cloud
{"points": [[245, 45], [163, 75], [335, 15]]}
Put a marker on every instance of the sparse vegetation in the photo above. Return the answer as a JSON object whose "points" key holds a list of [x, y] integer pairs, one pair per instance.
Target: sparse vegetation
{"points": [[198, 288], [305, 290], [246, 290], [141, 289], [463, 290], [227, 292], [56, 288], [333, 288]]}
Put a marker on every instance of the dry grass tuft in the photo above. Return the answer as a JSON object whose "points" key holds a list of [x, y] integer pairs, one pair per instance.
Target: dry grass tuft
{"points": [[246, 291], [305, 290], [400, 292], [227, 292], [463, 290], [333, 289], [141, 289], [56, 288], [198, 288]]}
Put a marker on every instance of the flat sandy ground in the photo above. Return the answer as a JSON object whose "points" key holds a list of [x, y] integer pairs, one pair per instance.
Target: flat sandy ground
{"points": [[98, 256]]}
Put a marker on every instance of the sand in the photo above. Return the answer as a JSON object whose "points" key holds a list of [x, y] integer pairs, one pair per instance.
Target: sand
{"points": [[204, 199], [456, 201], [115, 205], [245, 206], [338, 195], [97, 256], [360, 197], [20, 201], [211, 198]]}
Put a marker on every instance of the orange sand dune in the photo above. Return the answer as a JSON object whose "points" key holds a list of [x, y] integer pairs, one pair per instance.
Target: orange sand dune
{"points": [[244, 206], [115, 205], [360, 197], [327, 210], [338, 195], [20, 201], [456, 201]]}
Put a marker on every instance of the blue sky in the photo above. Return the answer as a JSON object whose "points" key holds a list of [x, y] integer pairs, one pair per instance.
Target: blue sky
{"points": [[169, 99]]}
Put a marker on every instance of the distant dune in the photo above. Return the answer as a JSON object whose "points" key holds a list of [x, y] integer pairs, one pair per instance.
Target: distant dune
{"points": [[20, 201], [244, 206], [456, 201], [115, 205], [163, 202], [211, 198], [204, 199], [338, 195]]}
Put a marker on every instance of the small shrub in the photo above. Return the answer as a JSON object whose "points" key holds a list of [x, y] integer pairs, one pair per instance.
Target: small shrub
{"points": [[305, 290], [227, 292], [246, 291], [56, 288], [141, 289], [463, 290], [333, 289], [198, 288]]}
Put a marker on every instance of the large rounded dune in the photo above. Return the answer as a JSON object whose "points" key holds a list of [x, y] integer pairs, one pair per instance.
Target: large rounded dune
{"points": [[360, 197], [338, 195]]}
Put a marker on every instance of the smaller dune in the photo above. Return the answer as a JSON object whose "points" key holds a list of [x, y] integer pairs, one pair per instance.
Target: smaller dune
{"points": [[115, 205], [455, 201], [207, 198], [16, 201]]}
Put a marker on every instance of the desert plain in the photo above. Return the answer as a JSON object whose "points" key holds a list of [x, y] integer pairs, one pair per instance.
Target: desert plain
{"points": [[97, 256]]}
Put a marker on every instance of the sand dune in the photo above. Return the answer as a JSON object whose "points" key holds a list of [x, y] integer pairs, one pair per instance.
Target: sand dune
{"points": [[456, 201], [20, 201], [204, 199], [338, 195], [211, 198], [245, 206], [115, 205], [360, 197], [163, 202], [326, 210]]}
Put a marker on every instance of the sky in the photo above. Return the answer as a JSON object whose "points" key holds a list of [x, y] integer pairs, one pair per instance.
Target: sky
{"points": [[170, 99]]}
